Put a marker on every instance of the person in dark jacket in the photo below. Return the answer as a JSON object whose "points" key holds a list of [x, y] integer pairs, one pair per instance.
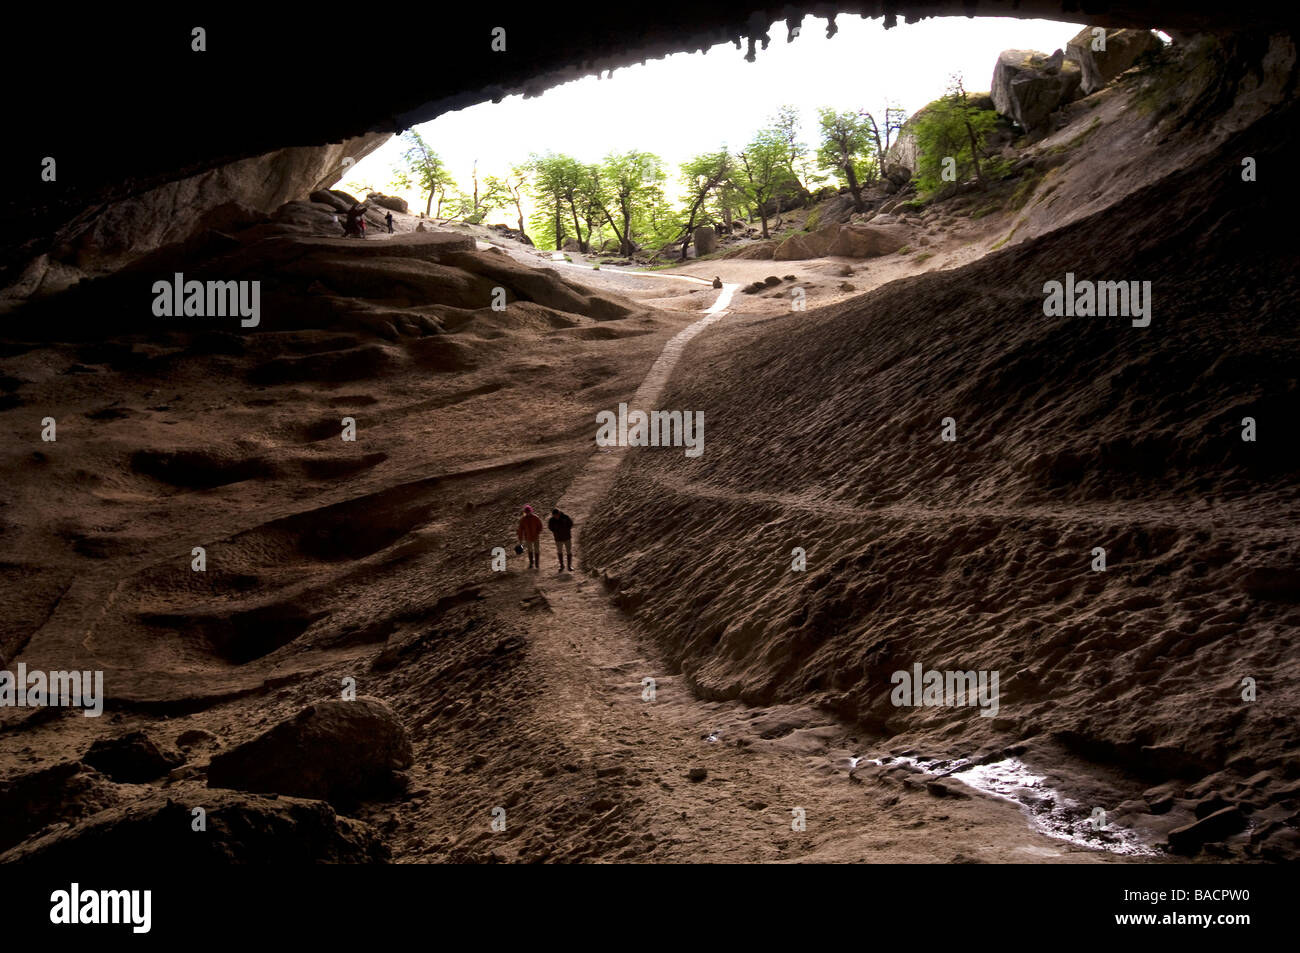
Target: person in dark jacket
{"points": [[561, 527]]}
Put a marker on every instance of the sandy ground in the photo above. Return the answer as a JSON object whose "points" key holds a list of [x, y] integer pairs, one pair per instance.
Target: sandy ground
{"points": [[553, 726]]}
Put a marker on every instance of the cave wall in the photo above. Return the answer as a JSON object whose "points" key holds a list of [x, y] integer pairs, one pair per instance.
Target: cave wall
{"points": [[124, 104], [107, 236]]}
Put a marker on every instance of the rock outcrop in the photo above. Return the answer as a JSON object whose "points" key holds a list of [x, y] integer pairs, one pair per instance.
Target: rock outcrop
{"points": [[394, 202], [64, 792], [106, 237], [132, 758], [1028, 86], [866, 241], [238, 829], [706, 240], [849, 241], [339, 751], [1099, 66]]}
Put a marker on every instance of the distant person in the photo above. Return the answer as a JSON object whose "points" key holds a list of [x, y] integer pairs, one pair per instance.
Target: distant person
{"points": [[530, 534], [389, 219], [356, 222], [561, 526]]}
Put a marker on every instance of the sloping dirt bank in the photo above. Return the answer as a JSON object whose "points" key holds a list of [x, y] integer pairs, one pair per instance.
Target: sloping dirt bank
{"points": [[824, 433]]}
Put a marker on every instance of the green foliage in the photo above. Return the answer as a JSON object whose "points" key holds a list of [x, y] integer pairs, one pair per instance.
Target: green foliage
{"points": [[1024, 190], [997, 168], [764, 169], [630, 195], [847, 147], [556, 180], [945, 129], [710, 185], [421, 169]]}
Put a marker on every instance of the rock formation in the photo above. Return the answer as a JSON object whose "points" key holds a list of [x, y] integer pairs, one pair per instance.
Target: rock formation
{"points": [[337, 751], [1028, 87], [1100, 66]]}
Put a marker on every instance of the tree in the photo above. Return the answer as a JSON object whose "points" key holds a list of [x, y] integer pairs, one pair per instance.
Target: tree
{"points": [[480, 203], [797, 154], [701, 175], [590, 198], [423, 170], [846, 150], [552, 188], [883, 134], [951, 128], [764, 170], [514, 184], [632, 186]]}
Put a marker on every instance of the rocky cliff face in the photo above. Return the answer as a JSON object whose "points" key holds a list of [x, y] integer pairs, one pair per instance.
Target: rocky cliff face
{"points": [[106, 237]]}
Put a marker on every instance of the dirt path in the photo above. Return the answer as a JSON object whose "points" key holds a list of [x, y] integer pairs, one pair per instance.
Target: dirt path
{"points": [[694, 780]]}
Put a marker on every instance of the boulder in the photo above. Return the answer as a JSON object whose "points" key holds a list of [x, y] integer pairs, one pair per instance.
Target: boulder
{"points": [[836, 210], [810, 245], [130, 759], [867, 241], [759, 251], [330, 198], [1028, 86], [64, 792], [157, 831], [848, 241], [1097, 66], [339, 751], [393, 202], [571, 244], [706, 240], [1224, 823]]}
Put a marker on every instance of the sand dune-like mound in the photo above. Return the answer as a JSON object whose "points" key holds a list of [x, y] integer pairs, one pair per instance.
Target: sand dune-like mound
{"points": [[825, 432]]}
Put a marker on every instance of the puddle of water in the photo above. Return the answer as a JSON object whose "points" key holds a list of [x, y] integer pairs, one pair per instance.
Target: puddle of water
{"points": [[1048, 811]]}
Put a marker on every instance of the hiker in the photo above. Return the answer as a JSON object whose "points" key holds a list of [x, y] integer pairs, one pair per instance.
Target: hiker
{"points": [[561, 525], [530, 533], [356, 223], [389, 219]]}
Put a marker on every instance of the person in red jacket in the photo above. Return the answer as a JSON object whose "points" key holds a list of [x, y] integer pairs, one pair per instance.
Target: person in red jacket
{"points": [[530, 535]]}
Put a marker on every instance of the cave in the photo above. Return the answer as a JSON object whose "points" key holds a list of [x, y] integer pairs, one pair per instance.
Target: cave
{"points": [[923, 454]]}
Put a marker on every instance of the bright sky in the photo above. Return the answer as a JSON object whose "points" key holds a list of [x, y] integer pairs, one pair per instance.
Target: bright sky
{"points": [[688, 103]]}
